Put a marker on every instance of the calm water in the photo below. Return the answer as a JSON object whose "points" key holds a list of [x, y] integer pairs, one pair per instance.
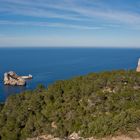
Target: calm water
{"points": [[50, 64]]}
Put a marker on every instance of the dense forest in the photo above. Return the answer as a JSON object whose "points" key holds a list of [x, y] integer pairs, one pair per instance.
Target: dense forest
{"points": [[98, 104]]}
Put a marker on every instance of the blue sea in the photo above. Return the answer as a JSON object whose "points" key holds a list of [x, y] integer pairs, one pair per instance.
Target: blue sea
{"points": [[48, 65]]}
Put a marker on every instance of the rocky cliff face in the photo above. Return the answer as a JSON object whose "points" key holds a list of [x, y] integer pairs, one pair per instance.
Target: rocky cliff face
{"points": [[11, 78], [138, 67]]}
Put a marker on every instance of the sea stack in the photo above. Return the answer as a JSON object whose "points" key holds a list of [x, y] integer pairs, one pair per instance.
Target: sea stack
{"points": [[11, 78], [138, 67]]}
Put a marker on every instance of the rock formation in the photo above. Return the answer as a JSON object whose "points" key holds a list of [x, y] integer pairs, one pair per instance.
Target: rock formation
{"points": [[75, 136], [27, 77], [11, 78], [138, 67]]}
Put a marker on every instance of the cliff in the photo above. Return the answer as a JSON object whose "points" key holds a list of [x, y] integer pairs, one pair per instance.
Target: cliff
{"points": [[138, 66]]}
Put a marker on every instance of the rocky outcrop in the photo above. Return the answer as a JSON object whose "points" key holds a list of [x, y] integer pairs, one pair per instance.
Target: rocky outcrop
{"points": [[27, 77], [75, 136], [11, 78], [138, 66]]}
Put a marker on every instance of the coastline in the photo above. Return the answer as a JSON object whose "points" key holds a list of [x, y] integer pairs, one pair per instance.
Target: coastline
{"points": [[54, 64], [95, 105]]}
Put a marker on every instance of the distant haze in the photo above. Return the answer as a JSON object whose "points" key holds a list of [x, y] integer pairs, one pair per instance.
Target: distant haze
{"points": [[73, 23]]}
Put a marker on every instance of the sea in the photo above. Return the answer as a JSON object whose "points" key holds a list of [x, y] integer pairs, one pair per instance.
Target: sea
{"points": [[50, 64]]}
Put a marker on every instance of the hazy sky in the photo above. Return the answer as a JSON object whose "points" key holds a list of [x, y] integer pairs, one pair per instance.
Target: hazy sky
{"points": [[70, 23]]}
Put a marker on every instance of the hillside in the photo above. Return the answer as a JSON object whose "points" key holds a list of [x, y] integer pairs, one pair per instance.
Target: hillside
{"points": [[98, 104]]}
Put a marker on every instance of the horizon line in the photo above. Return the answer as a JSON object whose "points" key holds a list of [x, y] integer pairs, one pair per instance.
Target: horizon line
{"points": [[98, 47]]}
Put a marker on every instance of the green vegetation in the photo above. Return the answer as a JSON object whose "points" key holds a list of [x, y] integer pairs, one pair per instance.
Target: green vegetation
{"points": [[98, 104]]}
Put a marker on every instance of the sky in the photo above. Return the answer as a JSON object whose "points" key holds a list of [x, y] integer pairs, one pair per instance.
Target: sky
{"points": [[70, 23]]}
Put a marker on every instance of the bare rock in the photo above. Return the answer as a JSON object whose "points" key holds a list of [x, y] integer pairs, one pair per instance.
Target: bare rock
{"points": [[75, 136], [45, 137], [27, 77], [11, 78], [53, 125], [138, 67]]}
